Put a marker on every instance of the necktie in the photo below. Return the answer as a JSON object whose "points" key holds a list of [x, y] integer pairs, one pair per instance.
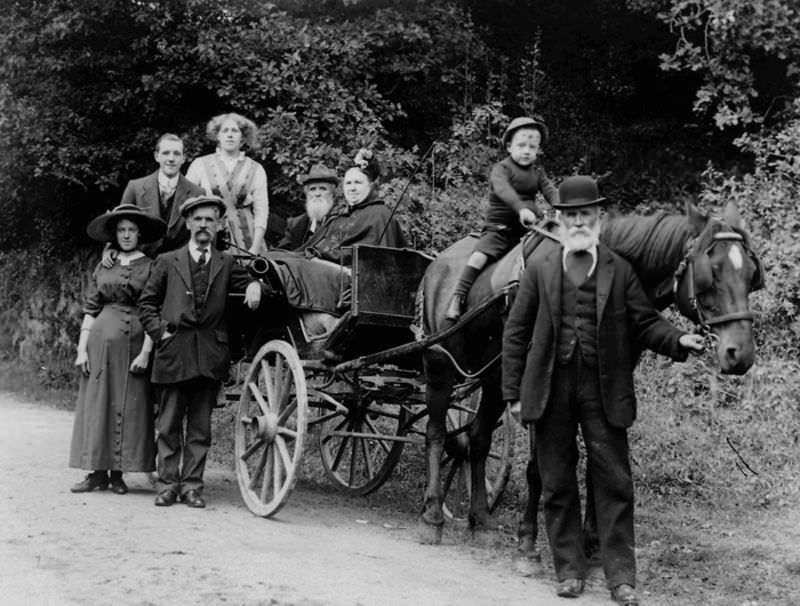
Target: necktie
{"points": [[578, 265], [202, 258]]}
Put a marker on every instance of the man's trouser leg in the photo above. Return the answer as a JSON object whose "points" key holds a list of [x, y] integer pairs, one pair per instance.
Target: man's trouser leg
{"points": [[609, 466], [202, 397], [557, 453], [172, 404]]}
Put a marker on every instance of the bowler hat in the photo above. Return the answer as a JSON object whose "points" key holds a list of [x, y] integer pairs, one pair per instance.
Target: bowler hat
{"points": [[319, 173], [103, 228], [517, 123], [196, 201], [578, 191]]}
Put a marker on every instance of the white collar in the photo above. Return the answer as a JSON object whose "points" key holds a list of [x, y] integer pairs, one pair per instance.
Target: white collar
{"points": [[230, 160], [194, 251], [166, 182], [592, 251]]}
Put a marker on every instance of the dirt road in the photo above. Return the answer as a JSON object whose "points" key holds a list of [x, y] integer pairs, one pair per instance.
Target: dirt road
{"points": [[100, 548]]}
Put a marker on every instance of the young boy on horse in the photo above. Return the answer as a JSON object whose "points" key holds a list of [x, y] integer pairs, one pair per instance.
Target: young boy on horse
{"points": [[513, 185]]}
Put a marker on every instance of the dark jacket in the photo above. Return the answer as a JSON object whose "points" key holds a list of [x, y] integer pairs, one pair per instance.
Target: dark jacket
{"points": [[626, 321], [513, 187], [199, 347], [143, 193], [369, 222], [296, 233]]}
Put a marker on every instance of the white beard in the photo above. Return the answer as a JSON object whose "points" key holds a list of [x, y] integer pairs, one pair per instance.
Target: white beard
{"points": [[580, 238]]}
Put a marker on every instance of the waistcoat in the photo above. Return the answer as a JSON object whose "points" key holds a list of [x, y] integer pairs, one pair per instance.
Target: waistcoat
{"points": [[578, 320]]}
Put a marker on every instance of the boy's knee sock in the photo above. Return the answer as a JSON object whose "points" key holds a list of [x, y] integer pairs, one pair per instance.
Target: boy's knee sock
{"points": [[467, 279]]}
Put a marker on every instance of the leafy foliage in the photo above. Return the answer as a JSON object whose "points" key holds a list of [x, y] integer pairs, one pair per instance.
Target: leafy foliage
{"points": [[88, 86], [747, 52]]}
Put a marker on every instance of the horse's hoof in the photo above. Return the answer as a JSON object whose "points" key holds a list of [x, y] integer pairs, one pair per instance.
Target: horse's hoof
{"points": [[527, 564], [484, 537], [430, 534]]}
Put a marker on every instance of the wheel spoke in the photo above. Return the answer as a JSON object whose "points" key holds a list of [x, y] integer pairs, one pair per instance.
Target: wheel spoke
{"points": [[269, 385], [284, 452], [248, 452], [289, 434], [283, 382], [262, 461], [262, 403], [338, 458], [367, 459], [267, 476], [286, 412], [276, 476], [382, 443], [337, 428], [353, 457]]}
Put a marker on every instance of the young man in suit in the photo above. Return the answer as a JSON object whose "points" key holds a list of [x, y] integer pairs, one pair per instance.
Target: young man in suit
{"points": [[569, 350], [161, 193], [182, 308], [319, 186]]}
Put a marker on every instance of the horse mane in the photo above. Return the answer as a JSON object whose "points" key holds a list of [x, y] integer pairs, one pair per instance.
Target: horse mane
{"points": [[652, 244]]}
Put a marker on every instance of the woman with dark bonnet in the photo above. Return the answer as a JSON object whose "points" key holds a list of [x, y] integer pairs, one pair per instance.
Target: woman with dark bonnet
{"points": [[364, 219], [239, 180], [113, 429]]}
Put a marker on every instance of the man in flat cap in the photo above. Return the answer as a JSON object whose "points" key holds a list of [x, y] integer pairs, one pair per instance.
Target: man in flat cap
{"points": [[319, 186], [569, 351], [182, 308]]}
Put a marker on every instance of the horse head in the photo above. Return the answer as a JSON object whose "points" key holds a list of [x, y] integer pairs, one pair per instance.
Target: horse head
{"points": [[712, 284]]}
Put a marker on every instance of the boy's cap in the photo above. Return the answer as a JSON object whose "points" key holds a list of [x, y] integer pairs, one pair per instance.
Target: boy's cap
{"points": [[525, 122], [203, 200], [578, 191]]}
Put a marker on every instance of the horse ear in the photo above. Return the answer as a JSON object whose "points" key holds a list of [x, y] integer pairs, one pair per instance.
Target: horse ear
{"points": [[697, 219], [732, 216]]}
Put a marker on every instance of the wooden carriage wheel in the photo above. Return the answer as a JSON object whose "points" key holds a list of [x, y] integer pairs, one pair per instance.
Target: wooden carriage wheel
{"points": [[270, 427], [456, 485], [357, 447]]}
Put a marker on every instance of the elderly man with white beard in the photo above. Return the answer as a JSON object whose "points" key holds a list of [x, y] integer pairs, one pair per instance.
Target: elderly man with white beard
{"points": [[571, 342], [319, 186]]}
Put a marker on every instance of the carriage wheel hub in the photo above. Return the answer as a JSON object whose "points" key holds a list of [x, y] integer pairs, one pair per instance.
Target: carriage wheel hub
{"points": [[265, 427]]}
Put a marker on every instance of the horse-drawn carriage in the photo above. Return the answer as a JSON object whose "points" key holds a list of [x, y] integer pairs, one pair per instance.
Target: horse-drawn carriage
{"points": [[359, 383], [366, 383]]}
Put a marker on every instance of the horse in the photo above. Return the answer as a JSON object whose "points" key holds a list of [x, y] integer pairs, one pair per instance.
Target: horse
{"points": [[703, 264]]}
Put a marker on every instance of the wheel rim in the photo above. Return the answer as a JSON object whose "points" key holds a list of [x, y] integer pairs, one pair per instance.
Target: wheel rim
{"points": [[270, 427], [357, 451]]}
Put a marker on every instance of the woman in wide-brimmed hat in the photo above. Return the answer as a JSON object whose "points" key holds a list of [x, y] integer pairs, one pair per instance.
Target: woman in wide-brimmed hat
{"points": [[113, 429], [239, 180]]}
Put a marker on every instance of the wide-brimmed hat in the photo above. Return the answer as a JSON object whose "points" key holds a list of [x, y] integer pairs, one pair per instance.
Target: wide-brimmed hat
{"points": [[578, 191], [319, 173], [103, 228], [525, 122], [204, 200]]}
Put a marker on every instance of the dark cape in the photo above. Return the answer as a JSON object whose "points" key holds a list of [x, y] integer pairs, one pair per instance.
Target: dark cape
{"points": [[317, 277]]}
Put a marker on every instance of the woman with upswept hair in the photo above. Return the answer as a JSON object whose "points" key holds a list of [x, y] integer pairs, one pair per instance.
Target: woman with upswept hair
{"points": [[239, 180]]}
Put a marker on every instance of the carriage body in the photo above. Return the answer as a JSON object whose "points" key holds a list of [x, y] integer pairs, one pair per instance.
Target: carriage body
{"points": [[357, 380]]}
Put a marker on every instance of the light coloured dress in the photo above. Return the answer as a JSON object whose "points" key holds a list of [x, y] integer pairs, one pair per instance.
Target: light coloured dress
{"points": [[242, 184], [113, 426]]}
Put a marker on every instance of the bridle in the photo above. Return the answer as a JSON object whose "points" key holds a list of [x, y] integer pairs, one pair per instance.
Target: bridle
{"points": [[686, 270]]}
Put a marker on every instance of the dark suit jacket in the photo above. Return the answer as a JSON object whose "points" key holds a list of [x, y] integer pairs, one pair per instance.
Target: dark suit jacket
{"points": [[199, 347], [297, 232], [143, 193], [626, 321]]}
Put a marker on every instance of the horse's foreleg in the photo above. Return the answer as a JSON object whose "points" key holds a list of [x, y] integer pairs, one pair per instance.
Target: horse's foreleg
{"points": [[439, 386], [480, 439], [527, 560]]}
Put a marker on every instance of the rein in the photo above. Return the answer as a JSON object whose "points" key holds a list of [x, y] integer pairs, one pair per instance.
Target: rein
{"points": [[686, 269]]}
